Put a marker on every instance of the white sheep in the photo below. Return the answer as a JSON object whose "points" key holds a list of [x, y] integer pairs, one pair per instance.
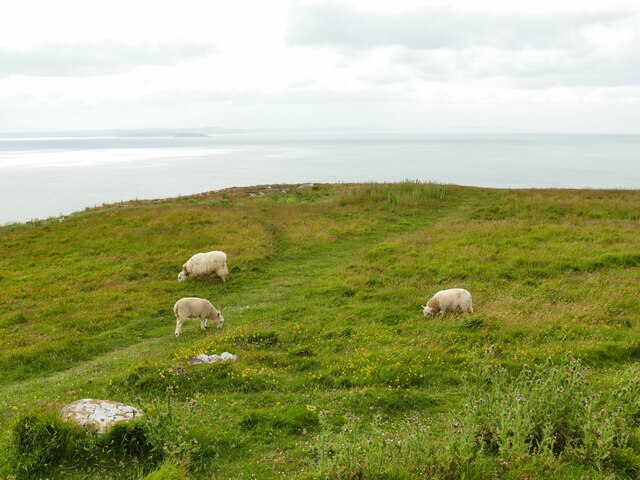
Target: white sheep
{"points": [[448, 300], [194, 307], [204, 264]]}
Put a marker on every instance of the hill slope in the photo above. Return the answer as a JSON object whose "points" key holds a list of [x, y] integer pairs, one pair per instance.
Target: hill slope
{"points": [[322, 308]]}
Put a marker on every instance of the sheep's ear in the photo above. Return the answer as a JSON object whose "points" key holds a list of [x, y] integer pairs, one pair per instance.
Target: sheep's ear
{"points": [[423, 306]]}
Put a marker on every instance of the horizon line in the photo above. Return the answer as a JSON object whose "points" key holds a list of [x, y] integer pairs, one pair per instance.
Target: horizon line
{"points": [[170, 131]]}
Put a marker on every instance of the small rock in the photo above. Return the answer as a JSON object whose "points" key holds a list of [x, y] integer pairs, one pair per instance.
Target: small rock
{"points": [[98, 414], [204, 358], [223, 357]]}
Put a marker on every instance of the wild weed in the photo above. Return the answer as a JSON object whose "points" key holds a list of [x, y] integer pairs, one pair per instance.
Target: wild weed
{"points": [[168, 432], [545, 415], [547, 410]]}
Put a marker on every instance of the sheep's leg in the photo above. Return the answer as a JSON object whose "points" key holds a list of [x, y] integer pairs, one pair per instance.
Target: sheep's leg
{"points": [[179, 323], [203, 324]]}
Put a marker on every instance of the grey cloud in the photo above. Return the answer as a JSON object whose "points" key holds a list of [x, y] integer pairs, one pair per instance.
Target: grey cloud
{"points": [[588, 69], [81, 59], [443, 44], [251, 97], [565, 68], [438, 28], [324, 96], [20, 111], [302, 84], [385, 77]]}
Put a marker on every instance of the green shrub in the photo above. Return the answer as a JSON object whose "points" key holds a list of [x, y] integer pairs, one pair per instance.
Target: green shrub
{"points": [[355, 449], [170, 429], [128, 439], [168, 471], [548, 409], [523, 424], [625, 461], [42, 440]]}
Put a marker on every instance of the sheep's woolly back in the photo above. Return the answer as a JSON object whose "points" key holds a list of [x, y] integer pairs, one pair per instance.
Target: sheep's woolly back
{"points": [[453, 299], [194, 307], [207, 263], [189, 307]]}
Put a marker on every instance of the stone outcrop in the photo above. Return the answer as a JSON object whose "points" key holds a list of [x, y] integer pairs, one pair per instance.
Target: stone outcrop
{"points": [[99, 414], [223, 357]]}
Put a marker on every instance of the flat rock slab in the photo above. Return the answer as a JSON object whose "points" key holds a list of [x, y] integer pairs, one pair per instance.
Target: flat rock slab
{"points": [[99, 414], [223, 357]]}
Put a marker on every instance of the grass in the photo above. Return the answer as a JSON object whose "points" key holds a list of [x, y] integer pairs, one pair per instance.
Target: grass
{"points": [[338, 374]]}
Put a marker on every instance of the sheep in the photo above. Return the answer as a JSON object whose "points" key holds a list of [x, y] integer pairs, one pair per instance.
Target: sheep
{"points": [[194, 307], [448, 300], [204, 264]]}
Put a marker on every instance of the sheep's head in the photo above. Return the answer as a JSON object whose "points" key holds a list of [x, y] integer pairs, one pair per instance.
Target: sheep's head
{"points": [[220, 320], [432, 306], [427, 311], [224, 273], [182, 276]]}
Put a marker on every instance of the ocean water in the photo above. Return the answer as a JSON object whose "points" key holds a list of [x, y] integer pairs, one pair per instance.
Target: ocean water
{"points": [[45, 177]]}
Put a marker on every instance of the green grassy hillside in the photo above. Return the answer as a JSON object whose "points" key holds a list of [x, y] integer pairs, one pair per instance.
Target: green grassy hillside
{"points": [[339, 375]]}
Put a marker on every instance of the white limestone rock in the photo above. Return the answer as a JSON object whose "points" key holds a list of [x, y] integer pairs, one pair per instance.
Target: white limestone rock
{"points": [[223, 357], [99, 414]]}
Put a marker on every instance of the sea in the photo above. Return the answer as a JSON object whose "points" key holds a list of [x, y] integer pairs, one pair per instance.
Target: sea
{"points": [[50, 176]]}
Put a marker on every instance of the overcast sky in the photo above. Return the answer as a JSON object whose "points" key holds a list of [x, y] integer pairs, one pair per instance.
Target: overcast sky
{"points": [[556, 66]]}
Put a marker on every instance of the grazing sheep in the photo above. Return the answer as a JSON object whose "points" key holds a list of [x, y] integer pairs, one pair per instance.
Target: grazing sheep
{"points": [[448, 300], [204, 264], [194, 307]]}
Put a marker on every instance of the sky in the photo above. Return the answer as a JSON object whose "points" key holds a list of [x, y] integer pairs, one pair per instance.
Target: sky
{"points": [[540, 66]]}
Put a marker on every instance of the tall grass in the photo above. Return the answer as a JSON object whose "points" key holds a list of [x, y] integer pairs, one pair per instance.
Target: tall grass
{"points": [[547, 415], [44, 445], [406, 193], [549, 410]]}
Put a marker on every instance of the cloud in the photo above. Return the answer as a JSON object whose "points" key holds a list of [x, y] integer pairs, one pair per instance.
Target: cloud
{"points": [[91, 58], [527, 69], [436, 44], [438, 28], [384, 77]]}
